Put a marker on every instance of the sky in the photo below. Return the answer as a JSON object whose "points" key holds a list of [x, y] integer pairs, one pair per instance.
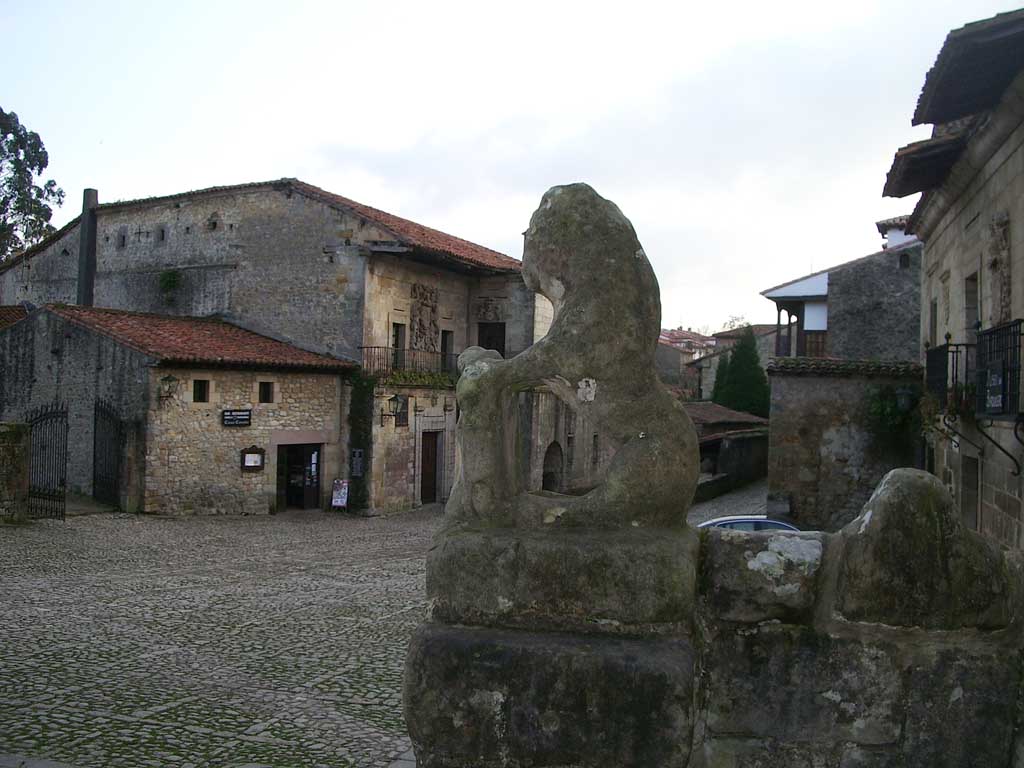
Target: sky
{"points": [[747, 143]]}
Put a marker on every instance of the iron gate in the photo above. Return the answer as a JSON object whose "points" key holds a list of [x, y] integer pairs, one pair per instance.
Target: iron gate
{"points": [[48, 461], [107, 452]]}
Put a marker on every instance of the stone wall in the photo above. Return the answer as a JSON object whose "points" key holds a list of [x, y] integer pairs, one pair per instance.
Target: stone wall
{"points": [[874, 307], [395, 467], [974, 225], [45, 359], [823, 459], [14, 455], [193, 462]]}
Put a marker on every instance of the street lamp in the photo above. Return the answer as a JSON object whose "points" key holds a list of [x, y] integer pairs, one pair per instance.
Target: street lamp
{"points": [[395, 403]]}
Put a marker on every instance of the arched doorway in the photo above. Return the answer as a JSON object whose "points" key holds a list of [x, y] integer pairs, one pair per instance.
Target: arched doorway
{"points": [[552, 479]]}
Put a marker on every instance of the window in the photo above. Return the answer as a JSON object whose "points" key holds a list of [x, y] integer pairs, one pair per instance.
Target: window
{"points": [[402, 417], [122, 239], [595, 451], [200, 390], [398, 346], [266, 391], [971, 323], [447, 351], [814, 343], [933, 322], [904, 260], [161, 234]]}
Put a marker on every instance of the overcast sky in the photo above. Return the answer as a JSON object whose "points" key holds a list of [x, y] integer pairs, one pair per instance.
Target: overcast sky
{"points": [[748, 144]]}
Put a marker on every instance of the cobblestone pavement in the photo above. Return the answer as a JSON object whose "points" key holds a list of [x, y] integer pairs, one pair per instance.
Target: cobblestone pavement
{"points": [[749, 500], [236, 641]]}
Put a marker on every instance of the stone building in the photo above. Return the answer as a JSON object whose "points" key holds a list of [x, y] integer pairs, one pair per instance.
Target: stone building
{"points": [[971, 218], [177, 415], [849, 343], [316, 270]]}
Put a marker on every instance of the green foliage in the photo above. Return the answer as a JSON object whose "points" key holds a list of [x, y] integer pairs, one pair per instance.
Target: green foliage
{"points": [[170, 281], [894, 426], [24, 205], [745, 387], [360, 425], [431, 379], [721, 377]]}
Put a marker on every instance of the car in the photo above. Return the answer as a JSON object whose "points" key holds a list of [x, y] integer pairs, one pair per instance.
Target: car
{"points": [[748, 523]]}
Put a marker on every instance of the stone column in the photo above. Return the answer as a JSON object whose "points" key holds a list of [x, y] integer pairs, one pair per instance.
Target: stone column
{"points": [[14, 457]]}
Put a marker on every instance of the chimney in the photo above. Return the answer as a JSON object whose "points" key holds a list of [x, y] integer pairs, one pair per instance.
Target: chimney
{"points": [[894, 231], [87, 248]]}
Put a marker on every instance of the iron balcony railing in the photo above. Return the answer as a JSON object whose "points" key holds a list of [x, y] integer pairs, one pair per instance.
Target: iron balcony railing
{"points": [[997, 379], [950, 376], [382, 361]]}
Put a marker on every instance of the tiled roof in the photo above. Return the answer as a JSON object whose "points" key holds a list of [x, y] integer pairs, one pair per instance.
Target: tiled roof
{"points": [[924, 165], [195, 340], [11, 315], [706, 413], [405, 231], [415, 234], [974, 67], [831, 366]]}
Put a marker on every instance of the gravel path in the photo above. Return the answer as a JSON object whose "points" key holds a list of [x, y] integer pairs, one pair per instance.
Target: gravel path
{"points": [[749, 500]]}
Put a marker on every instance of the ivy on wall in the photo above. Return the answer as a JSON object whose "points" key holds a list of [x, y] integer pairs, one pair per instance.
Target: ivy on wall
{"points": [[893, 418], [360, 424], [434, 380]]}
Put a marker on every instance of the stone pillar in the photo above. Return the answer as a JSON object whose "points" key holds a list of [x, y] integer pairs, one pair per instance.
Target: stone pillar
{"points": [[14, 457]]}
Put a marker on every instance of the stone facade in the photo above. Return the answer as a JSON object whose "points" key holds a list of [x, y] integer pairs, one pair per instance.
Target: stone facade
{"points": [[874, 307], [823, 458], [193, 462], [399, 456], [14, 453], [46, 359], [973, 226]]}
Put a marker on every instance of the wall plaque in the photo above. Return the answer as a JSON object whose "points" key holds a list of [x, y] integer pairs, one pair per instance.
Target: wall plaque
{"points": [[236, 418], [253, 459]]}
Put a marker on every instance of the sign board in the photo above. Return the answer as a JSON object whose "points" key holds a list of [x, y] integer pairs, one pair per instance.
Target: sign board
{"points": [[253, 459], [994, 392], [236, 418], [339, 494], [357, 462]]}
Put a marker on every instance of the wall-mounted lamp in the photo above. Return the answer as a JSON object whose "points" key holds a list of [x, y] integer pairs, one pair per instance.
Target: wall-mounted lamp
{"points": [[168, 387], [904, 398], [395, 403]]}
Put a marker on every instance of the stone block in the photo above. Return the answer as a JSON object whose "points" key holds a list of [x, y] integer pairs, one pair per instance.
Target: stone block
{"points": [[606, 581], [908, 561], [751, 577], [791, 684], [491, 698], [961, 709]]}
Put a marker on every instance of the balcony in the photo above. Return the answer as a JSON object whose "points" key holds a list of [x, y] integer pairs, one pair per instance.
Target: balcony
{"points": [[384, 361], [997, 377], [950, 376]]}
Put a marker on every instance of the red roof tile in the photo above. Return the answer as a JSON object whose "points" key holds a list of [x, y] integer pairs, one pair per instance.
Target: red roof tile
{"points": [[704, 413], [415, 234], [195, 340], [832, 366], [10, 315]]}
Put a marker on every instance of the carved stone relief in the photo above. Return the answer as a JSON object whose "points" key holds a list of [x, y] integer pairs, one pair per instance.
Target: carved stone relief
{"points": [[426, 330], [998, 252], [487, 310]]}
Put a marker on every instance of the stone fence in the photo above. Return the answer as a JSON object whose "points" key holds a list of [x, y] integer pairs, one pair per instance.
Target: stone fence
{"points": [[14, 453]]}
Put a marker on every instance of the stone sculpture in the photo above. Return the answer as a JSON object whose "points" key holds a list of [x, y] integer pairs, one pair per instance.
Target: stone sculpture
{"points": [[576, 632]]}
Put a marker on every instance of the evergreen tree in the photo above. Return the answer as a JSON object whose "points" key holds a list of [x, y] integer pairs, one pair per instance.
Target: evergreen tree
{"points": [[746, 387], [721, 378]]}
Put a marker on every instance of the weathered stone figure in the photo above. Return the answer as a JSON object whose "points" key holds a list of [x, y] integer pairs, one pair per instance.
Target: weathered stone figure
{"points": [[572, 631], [583, 255]]}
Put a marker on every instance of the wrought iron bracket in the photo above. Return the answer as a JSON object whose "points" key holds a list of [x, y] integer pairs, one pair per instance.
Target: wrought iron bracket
{"points": [[1002, 450], [950, 423], [1018, 425]]}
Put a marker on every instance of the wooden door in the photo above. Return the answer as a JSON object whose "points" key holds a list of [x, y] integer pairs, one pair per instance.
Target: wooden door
{"points": [[428, 468], [491, 336]]}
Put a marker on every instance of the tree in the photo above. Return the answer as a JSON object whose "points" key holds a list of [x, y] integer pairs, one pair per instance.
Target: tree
{"points": [[734, 322], [721, 378], [746, 386], [24, 205]]}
